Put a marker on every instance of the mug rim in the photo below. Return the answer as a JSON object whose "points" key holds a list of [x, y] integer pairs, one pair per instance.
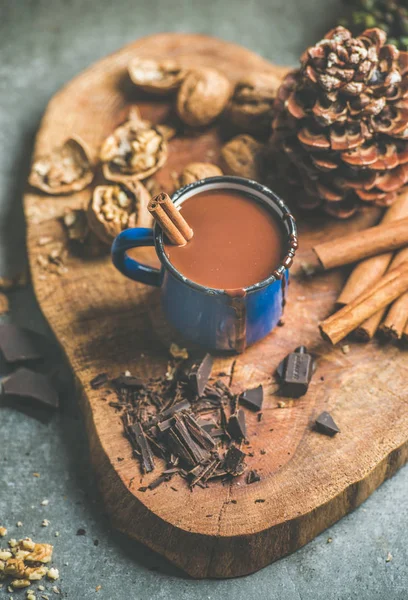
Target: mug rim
{"points": [[287, 220]]}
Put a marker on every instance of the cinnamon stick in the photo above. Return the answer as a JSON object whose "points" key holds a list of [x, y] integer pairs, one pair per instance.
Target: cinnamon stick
{"points": [[174, 225], [371, 269], [392, 285], [366, 331], [396, 319], [363, 244]]}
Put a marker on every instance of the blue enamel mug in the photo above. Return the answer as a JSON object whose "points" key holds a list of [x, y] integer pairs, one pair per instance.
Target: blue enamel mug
{"points": [[216, 319]]}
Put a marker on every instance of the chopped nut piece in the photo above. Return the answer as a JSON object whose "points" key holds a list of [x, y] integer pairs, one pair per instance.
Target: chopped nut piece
{"points": [[251, 106], [66, 169], [15, 567], [41, 553], [281, 404], [5, 555], [36, 475], [45, 502], [177, 352], [12, 542], [329, 540], [98, 587], [31, 595], [35, 573], [19, 524], [389, 557], [3, 531], [53, 574], [202, 96], [55, 589], [134, 151], [114, 208], [345, 349], [45, 523], [156, 76], [244, 156], [196, 171], [20, 583]]}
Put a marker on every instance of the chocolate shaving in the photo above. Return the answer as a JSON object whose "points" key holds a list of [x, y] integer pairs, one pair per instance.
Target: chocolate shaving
{"points": [[200, 374], [99, 381], [141, 445], [252, 398]]}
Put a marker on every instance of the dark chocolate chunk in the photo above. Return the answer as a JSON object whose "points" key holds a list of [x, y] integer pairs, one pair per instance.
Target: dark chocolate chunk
{"points": [[234, 461], [253, 476], [325, 424], [223, 388], [252, 398], [200, 373], [259, 500], [81, 531], [99, 381], [295, 372], [20, 345], [24, 383], [237, 425], [141, 445]]}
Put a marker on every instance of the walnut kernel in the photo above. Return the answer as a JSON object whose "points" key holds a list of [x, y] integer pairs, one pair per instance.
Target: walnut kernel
{"points": [[114, 208], [67, 168]]}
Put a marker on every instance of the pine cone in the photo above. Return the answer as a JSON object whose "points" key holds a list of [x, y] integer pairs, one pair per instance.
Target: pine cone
{"points": [[342, 120]]}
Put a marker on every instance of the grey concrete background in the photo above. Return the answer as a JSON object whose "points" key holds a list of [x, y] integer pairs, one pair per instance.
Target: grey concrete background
{"points": [[43, 43]]}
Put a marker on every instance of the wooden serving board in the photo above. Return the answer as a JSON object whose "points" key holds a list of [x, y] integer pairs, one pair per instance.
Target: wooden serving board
{"points": [[103, 322]]}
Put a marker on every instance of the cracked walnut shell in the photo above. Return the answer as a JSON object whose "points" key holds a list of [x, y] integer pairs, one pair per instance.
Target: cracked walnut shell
{"points": [[156, 76], [67, 168], [202, 96], [196, 171], [251, 106], [244, 156], [114, 208], [134, 151]]}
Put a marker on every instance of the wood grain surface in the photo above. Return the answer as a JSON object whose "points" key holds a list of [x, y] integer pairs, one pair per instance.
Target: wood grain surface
{"points": [[104, 323]]}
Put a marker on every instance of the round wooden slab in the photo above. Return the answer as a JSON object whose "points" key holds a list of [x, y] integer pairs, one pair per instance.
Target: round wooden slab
{"points": [[103, 322]]}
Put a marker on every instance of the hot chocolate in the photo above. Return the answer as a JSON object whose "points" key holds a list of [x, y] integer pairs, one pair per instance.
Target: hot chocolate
{"points": [[237, 241]]}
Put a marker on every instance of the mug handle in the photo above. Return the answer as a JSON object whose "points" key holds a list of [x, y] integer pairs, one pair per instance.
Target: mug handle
{"points": [[135, 238]]}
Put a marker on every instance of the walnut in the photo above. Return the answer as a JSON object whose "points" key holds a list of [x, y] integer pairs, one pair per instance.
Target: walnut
{"points": [[42, 553], [251, 106], [114, 208], [3, 531], [156, 76], [202, 96], [134, 151], [53, 574], [35, 573], [243, 156], [196, 171], [66, 169]]}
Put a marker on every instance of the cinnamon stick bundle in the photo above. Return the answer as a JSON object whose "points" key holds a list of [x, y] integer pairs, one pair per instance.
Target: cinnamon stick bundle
{"points": [[174, 225], [357, 246], [366, 331], [371, 269], [391, 286]]}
